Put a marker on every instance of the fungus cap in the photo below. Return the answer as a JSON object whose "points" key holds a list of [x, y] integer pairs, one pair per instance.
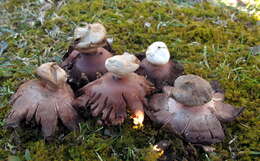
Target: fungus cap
{"points": [[51, 72], [122, 64], [90, 34], [157, 53], [192, 90]]}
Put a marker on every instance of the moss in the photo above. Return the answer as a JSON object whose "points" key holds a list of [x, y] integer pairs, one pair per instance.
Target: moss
{"points": [[207, 39]]}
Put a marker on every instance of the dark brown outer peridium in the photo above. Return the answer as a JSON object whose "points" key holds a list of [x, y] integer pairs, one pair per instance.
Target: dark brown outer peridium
{"points": [[156, 71], [89, 66], [71, 48], [160, 75], [33, 101], [109, 96], [196, 125]]}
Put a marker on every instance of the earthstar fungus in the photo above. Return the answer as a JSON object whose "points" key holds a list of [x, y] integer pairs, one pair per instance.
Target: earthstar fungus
{"points": [[45, 101], [192, 110], [86, 60], [89, 36], [117, 90], [157, 66]]}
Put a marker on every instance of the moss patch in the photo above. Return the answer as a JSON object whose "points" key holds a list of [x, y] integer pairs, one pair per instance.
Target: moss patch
{"points": [[212, 42]]}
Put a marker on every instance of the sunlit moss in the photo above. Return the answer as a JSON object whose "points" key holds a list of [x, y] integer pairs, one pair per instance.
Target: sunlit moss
{"points": [[213, 42]]}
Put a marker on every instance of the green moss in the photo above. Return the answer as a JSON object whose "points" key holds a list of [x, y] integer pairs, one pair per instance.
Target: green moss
{"points": [[208, 41]]}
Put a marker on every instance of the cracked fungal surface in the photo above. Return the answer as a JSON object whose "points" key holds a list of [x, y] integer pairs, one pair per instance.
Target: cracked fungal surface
{"points": [[193, 120], [45, 101]]}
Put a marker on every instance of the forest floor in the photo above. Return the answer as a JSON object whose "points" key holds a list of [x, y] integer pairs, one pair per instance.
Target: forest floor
{"points": [[212, 41]]}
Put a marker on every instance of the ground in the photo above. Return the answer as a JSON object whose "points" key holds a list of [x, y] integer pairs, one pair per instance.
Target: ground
{"points": [[211, 41]]}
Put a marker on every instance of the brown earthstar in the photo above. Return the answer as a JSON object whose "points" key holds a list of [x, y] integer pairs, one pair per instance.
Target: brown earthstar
{"points": [[45, 101]]}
